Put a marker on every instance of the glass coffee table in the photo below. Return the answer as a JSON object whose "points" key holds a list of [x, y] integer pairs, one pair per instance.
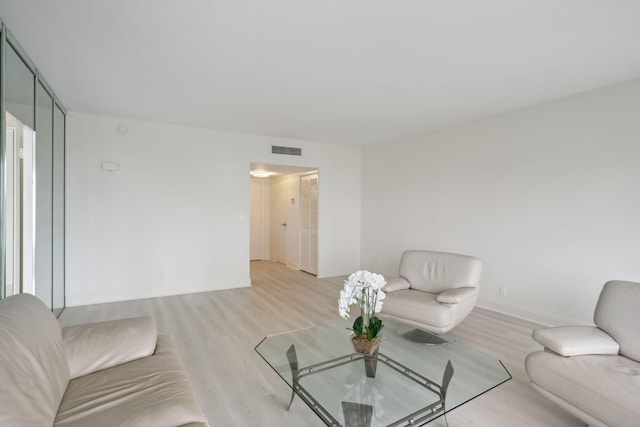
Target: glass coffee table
{"points": [[404, 383]]}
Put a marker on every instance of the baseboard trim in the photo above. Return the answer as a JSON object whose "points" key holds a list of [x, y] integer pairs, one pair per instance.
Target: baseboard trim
{"points": [[89, 299], [535, 316]]}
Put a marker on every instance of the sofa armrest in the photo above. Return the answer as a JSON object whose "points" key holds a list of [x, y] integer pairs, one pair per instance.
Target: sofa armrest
{"points": [[95, 346], [457, 295], [396, 284], [576, 340]]}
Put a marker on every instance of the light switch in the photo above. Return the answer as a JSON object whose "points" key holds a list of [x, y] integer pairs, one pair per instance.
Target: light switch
{"points": [[110, 166]]}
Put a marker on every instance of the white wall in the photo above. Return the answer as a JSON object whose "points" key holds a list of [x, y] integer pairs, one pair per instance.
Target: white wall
{"points": [[548, 197], [175, 217]]}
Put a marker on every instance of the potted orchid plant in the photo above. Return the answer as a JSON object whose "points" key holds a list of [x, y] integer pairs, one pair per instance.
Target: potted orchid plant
{"points": [[363, 289]]}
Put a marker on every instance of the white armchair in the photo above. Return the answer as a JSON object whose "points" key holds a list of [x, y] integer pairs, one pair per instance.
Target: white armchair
{"points": [[435, 290], [593, 372]]}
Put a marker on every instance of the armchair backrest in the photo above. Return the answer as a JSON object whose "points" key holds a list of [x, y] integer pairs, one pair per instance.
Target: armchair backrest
{"points": [[435, 272], [33, 366], [618, 314]]}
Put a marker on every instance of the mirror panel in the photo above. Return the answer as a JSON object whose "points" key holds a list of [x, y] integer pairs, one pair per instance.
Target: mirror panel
{"points": [[44, 197], [58, 210], [19, 86], [18, 174]]}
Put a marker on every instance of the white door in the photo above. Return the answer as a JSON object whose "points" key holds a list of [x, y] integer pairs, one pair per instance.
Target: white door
{"points": [[279, 219], [257, 220], [309, 223]]}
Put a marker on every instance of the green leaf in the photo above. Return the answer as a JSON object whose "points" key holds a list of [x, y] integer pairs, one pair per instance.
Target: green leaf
{"points": [[375, 326], [358, 325]]}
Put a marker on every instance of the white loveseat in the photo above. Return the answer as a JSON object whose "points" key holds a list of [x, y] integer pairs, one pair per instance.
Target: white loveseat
{"points": [[593, 372], [115, 373]]}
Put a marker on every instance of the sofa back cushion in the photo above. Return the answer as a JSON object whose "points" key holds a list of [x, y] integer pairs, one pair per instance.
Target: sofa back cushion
{"points": [[435, 272], [33, 368], [618, 314]]}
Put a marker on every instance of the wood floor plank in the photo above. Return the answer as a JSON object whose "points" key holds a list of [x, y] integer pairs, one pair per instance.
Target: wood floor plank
{"points": [[216, 333]]}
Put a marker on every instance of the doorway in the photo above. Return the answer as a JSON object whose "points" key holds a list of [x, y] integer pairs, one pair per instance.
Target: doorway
{"points": [[282, 229]]}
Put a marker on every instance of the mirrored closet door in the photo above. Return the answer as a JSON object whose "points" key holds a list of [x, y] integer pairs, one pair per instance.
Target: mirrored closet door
{"points": [[32, 175]]}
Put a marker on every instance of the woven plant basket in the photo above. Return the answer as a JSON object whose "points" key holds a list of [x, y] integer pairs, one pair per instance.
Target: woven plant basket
{"points": [[363, 346]]}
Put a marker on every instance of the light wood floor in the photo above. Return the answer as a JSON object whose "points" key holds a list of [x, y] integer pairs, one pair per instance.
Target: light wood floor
{"points": [[217, 331]]}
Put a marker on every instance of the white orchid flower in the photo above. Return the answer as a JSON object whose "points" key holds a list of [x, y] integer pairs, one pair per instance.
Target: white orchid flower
{"points": [[364, 289]]}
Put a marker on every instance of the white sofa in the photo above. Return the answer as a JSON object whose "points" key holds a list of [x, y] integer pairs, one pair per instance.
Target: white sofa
{"points": [[434, 291], [593, 372], [115, 373]]}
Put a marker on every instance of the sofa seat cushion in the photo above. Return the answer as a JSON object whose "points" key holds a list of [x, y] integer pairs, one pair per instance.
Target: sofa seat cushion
{"points": [[604, 386], [153, 391], [418, 306]]}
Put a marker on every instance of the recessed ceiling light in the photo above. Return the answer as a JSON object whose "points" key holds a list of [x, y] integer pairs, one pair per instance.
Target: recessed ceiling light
{"points": [[260, 174]]}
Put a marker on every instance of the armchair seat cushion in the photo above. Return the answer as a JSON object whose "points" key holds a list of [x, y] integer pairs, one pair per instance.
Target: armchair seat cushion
{"points": [[420, 307], [152, 391], [604, 385]]}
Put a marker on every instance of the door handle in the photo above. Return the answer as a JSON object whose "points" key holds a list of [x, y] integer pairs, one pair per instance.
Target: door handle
{"points": [[284, 224]]}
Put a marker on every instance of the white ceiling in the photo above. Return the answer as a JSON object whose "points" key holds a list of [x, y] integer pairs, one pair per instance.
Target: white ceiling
{"points": [[339, 71]]}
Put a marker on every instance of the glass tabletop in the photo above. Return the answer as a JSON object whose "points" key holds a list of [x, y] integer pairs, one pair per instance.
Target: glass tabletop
{"points": [[401, 385]]}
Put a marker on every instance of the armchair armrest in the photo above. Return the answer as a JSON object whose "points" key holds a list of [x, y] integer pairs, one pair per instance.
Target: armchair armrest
{"points": [[396, 284], [95, 346], [576, 340], [457, 295]]}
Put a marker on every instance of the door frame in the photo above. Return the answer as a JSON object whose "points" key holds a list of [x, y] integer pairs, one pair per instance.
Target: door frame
{"points": [[274, 223]]}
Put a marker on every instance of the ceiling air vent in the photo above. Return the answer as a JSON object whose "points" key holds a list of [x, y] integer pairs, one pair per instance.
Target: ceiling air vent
{"points": [[290, 151]]}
